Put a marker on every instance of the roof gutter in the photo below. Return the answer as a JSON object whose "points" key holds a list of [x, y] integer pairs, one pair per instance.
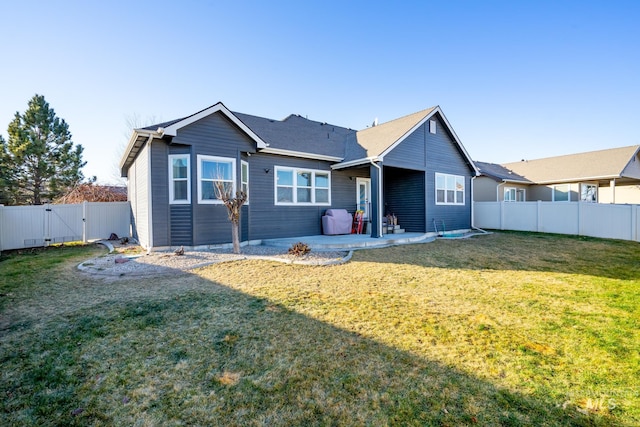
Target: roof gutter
{"points": [[137, 133], [515, 181], [357, 162], [585, 178], [301, 154]]}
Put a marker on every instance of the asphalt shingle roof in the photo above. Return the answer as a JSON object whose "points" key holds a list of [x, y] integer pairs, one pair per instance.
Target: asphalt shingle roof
{"points": [[375, 140], [296, 133], [608, 163], [499, 172]]}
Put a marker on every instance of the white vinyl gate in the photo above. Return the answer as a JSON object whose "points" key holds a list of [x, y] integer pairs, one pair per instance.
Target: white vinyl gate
{"points": [[33, 226]]}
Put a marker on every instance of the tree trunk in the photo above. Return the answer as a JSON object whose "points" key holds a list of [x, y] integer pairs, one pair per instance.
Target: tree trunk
{"points": [[36, 192], [235, 236]]}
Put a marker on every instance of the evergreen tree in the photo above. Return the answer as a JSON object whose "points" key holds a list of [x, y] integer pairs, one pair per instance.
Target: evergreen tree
{"points": [[5, 198], [39, 160]]}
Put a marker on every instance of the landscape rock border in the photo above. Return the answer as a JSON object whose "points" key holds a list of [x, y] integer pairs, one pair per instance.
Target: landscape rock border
{"points": [[128, 260]]}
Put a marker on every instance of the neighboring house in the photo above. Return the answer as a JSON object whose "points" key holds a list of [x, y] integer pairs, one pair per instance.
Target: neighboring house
{"points": [[497, 183], [293, 171], [604, 176]]}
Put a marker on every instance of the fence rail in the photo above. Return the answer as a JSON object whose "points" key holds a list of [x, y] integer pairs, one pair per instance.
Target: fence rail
{"points": [[578, 218], [33, 226]]}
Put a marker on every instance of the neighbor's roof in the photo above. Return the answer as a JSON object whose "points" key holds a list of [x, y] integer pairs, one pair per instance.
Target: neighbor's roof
{"points": [[500, 173], [601, 164]]}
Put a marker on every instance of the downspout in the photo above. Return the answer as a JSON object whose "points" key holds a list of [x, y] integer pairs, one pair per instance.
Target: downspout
{"points": [[473, 178], [498, 191], [150, 196], [613, 190], [379, 216]]}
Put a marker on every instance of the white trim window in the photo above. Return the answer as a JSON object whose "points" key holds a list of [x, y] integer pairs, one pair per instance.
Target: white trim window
{"points": [[560, 193], [432, 126], [589, 193], [513, 194], [295, 186], [211, 170], [244, 178], [450, 189], [179, 179]]}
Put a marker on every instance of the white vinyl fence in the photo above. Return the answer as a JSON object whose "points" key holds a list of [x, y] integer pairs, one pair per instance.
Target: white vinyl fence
{"points": [[32, 226], [578, 218]]}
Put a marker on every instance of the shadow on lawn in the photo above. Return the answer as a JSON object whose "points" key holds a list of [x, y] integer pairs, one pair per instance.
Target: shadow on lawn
{"points": [[221, 357]]}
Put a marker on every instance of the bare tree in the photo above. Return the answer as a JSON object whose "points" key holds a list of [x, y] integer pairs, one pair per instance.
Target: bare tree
{"points": [[131, 122], [234, 208]]}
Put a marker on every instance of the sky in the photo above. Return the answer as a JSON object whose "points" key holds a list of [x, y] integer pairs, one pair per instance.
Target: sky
{"points": [[516, 79]]}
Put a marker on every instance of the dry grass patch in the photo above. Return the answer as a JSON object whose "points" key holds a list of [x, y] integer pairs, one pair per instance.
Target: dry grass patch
{"points": [[529, 313], [508, 329]]}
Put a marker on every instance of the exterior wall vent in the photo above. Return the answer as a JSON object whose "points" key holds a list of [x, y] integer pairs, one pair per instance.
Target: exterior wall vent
{"points": [[432, 126]]}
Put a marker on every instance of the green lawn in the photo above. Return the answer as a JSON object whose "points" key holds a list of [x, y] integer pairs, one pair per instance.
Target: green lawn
{"points": [[504, 329]]}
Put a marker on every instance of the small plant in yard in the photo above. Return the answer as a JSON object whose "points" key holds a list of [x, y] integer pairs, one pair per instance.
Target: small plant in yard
{"points": [[299, 249]]}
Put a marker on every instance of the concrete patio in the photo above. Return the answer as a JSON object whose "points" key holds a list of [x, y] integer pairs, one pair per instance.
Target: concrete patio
{"points": [[351, 241]]}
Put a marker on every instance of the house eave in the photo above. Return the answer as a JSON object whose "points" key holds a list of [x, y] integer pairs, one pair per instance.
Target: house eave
{"points": [[219, 107], [357, 162], [300, 154], [516, 181], [632, 159], [138, 138], [579, 179], [505, 180]]}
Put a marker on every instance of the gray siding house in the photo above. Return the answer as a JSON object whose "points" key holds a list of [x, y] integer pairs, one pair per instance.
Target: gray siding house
{"points": [[293, 170]]}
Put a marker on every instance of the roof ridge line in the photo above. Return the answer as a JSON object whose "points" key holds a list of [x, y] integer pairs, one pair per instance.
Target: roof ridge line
{"points": [[636, 146]]}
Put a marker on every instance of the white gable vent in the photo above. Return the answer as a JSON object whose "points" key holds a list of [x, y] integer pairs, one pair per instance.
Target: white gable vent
{"points": [[432, 126]]}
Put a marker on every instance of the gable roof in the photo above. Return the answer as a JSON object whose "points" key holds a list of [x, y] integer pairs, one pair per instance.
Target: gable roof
{"points": [[173, 127], [378, 139], [593, 165], [373, 143], [170, 128], [500, 173], [300, 137]]}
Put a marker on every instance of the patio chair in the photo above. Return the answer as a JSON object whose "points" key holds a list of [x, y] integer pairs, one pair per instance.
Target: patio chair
{"points": [[336, 221]]}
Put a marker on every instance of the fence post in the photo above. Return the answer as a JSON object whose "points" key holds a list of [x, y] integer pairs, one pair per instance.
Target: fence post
{"points": [[579, 218], [502, 215], [538, 215], [84, 222], [46, 239], [634, 223]]}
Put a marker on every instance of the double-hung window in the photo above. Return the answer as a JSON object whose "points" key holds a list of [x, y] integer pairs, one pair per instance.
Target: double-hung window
{"points": [[244, 178], [179, 181], [560, 193], [302, 186], [514, 194], [589, 193], [215, 174], [449, 189]]}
